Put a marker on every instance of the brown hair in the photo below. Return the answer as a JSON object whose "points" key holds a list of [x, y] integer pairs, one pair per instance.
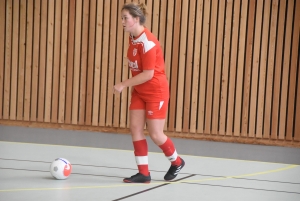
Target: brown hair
{"points": [[136, 10]]}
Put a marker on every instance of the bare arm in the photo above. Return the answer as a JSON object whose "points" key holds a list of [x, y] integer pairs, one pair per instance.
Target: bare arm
{"points": [[141, 78]]}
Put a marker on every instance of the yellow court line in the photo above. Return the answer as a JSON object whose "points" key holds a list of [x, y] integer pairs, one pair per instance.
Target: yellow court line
{"points": [[152, 183], [82, 147]]}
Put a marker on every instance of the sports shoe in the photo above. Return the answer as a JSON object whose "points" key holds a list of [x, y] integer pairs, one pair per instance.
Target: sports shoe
{"points": [[138, 178], [174, 170]]}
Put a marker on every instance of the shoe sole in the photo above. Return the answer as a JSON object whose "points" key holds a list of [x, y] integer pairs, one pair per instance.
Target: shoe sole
{"points": [[127, 181]]}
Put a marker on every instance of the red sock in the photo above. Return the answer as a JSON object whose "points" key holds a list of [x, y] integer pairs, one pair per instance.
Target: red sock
{"points": [[141, 156], [170, 152]]}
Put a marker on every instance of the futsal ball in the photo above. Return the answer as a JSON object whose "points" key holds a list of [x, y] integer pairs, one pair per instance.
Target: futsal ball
{"points": [[60, 168]]}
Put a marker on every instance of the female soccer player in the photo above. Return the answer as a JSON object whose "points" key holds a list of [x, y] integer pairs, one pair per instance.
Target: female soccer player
{"points": [[149, 95]]}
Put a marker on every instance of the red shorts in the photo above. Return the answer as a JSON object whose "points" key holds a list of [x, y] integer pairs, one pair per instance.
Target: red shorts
{"points": [[154, 110]]}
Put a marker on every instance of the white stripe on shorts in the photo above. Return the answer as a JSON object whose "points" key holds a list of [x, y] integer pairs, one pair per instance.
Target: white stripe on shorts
{"points": [[173, 157], [161, 103], [141, 160]]}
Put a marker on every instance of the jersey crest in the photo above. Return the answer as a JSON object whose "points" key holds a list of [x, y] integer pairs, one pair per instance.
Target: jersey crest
{"points": [[134, 51]]}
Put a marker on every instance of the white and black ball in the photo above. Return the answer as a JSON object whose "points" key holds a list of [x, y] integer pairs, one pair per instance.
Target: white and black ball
{"points": [[60, 168]]}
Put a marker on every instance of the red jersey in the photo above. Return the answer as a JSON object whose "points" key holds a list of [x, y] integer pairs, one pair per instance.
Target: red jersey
{"points": [[144, 53]]}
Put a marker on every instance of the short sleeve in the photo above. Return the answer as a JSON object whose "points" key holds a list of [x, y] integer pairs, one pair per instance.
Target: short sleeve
{"points": [[149, 58]]}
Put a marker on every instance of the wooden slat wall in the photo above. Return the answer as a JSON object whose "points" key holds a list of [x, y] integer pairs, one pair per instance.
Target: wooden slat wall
{"points": [[2, 58], [232, 50], [233, 66]]}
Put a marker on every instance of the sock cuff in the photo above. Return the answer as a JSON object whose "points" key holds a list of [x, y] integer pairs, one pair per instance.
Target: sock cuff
{"points": [[141, 160], [173, 157]]}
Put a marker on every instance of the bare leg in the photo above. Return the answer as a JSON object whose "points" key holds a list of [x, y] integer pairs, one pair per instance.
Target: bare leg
{"points": [[137, 124], [156, 130]]}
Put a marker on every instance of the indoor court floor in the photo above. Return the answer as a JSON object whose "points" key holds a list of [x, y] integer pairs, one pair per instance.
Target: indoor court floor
{"points": [[214, 170]]}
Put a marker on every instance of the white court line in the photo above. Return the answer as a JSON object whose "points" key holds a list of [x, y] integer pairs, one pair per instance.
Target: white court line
{"points": [[83, 147]]}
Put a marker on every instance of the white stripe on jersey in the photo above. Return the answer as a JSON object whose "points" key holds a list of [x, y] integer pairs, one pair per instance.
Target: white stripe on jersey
{"points": [[148, 45], [141, 160], [173, 157]]}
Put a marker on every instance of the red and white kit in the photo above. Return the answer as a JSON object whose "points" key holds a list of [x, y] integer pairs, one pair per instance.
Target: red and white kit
{"points": [[144, 53]]}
